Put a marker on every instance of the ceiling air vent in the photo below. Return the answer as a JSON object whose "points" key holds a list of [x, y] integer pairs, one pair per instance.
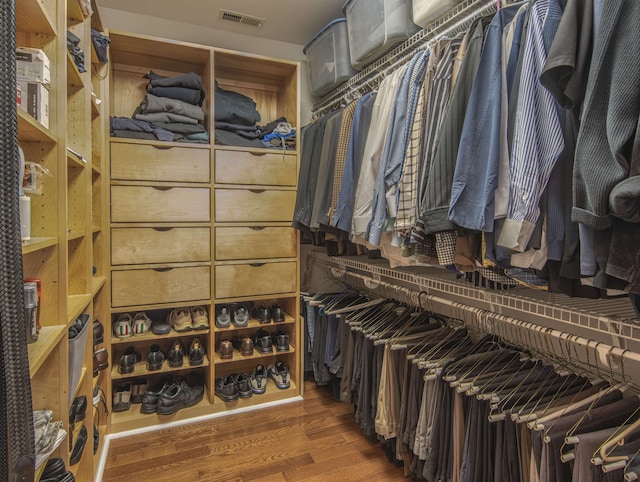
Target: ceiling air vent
{"points": [[241, 18]]}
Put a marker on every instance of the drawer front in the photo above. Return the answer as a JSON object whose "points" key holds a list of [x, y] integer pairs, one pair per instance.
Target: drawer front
{"points": [[136, 162], [247, 205], [138, 204], [150, 286], [266, 168], [257, 242], [252, 280], [159, 245]]}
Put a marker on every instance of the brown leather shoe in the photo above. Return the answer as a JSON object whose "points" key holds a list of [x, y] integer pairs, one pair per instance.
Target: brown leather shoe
{"points": [[225, 350], [244, 344], [100, 360]]}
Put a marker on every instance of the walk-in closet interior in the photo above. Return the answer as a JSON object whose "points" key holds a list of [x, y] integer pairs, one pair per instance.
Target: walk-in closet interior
{"points": [[425, 210]]}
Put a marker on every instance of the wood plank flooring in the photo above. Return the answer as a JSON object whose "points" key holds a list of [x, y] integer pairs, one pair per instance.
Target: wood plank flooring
{"points": [[312, 440]]}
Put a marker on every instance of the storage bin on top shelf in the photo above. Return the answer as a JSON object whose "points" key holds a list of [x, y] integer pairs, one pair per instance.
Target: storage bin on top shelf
{"points": [[329, 58], [426, 11], [375, 26]]}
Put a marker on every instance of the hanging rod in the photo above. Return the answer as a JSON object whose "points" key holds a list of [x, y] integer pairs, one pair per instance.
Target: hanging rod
{"points": [[456, 20], [602, 360]]}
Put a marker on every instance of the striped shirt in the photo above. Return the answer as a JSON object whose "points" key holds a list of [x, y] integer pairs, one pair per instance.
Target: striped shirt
{"points": [[537, 137]]}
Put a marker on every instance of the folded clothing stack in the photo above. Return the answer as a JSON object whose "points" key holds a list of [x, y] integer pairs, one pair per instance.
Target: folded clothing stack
{"points": [[170, 111], [237, 123]]}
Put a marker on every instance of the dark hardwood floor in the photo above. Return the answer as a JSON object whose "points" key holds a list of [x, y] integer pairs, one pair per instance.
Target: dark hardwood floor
{"points": [[315, 439]]}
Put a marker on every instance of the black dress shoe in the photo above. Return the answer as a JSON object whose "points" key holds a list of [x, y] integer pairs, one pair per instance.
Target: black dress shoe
{"points": [[128, 360], [78, 409], [155, 358], [262, 314], [175, 355], [150, 397], [281, 340], [78, 448], [54, 468], [262, 341], [276, 313], [196, 352]]}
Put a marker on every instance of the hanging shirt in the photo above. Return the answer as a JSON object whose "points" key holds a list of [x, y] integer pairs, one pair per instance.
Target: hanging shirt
{"points": [[537, 137]]}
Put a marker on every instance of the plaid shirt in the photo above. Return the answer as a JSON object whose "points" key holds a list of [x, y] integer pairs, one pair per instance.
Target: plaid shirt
{"points": [[341, 155]]}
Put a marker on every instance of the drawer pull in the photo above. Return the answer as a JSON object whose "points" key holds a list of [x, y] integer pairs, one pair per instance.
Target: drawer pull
{"points": [[258, 154], [257, 191], [162, 229], [162, 270], [257, 228], [162, 188], [256, 265], [162, 148]]}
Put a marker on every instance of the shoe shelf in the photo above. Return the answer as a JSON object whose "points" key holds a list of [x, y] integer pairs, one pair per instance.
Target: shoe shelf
{"points": [[255, 324], [48, 337], [35, 244], [141, 370], [237, 356], [149, 336]]}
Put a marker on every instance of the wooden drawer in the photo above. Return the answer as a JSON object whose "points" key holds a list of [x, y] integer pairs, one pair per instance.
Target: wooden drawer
{"points": [[247, 205], [160, 245], [256, 242], [155, 286], [266, 168], [141, 162], [252, 280], [138, 204]]}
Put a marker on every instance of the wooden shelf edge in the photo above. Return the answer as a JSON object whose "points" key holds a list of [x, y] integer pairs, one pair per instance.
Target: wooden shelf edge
{"points": [[128, 309], [32, 17], [74, 77], [83, 374], [76, 304], [36, 244], [39, 351], [159, 338], [97, 282], [29, 129], [127, 140]]}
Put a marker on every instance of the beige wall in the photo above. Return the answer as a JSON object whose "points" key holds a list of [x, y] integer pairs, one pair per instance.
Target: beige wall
{"points": [[157, 27]]}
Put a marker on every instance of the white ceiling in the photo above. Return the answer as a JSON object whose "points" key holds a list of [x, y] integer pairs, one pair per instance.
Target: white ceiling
{"points": [[293, 21]]}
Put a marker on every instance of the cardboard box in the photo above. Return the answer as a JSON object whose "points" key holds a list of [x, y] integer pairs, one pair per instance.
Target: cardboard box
{"points": [[33, 65], [35, 100]]}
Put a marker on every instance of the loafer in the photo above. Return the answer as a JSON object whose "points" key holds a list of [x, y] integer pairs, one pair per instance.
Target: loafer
{"points": [[223, 316], [160, 327], [122, 326], [243, 384], [138, 389], [240, 316], [258, 379], [179, 396], [151, 396], [98, 332], [128, 360], [196, 352], [141, 324], [225, 350], [155, 358], [175, 355], [262, 341], [262, 314], [227, 389], [78, 409], [243, 344], [276, 313], [281, 340], [78, 447], [122, 397], [279, 373], [180, 319], [100, 360], [199, 317]]}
